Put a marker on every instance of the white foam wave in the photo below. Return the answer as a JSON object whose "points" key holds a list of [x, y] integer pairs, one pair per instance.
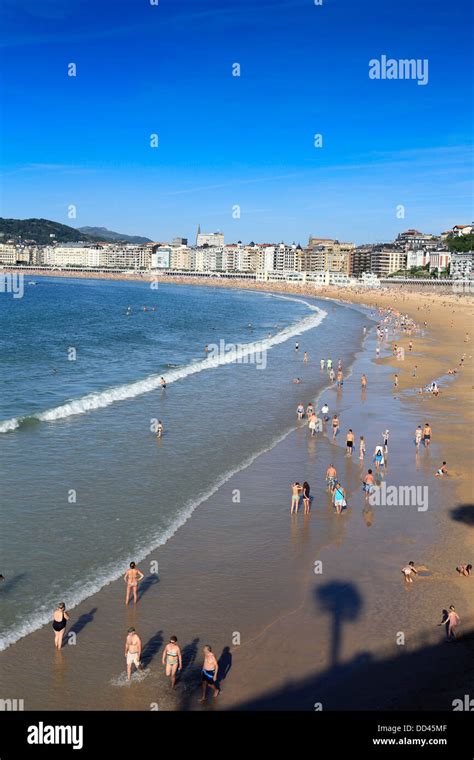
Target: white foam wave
{"points": [[102, 399], [114, 570]]}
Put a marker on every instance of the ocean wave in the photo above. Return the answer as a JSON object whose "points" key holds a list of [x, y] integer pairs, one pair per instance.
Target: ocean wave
{"points": [[113, 571], [102, 399]]}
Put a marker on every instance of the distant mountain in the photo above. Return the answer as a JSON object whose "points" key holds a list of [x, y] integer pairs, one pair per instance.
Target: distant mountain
{"points": [[42, 231], [104, 234]]}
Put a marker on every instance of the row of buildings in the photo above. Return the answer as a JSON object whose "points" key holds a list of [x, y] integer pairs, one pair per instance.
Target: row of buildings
{"points": [[410, 251]]}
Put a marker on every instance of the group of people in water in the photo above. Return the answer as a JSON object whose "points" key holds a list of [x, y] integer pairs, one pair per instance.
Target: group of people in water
{"points": [[171, 658]]}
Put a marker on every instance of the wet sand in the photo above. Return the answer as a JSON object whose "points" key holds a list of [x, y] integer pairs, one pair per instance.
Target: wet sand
{"points": [[241, 575]]}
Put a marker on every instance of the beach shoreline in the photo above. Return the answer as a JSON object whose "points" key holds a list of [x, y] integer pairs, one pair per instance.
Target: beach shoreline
{"points": [[435, 356]]}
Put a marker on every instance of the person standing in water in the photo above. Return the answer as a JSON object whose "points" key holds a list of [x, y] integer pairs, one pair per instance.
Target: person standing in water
{"points": [[132, 578], [306, 498], [159, 429], [172, 660], [361, 447], [300, 411], [133, 651], [332, 375], [363, 382], [339, 498], [322, 363], [60, 618], [418, 436], [209, 673], [331, 477], [427, 434], [335, 425], [163, 383], [451, 621], [296, 490], [305, 356], [349, 443]]}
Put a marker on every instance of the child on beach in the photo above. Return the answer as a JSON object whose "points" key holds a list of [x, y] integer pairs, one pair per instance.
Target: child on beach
{"points": [[378, 457], [442, 471], [368, 484], [418, 436], [464, 570], [361, 447], [335, 425], [408, 572], [300, 411]]}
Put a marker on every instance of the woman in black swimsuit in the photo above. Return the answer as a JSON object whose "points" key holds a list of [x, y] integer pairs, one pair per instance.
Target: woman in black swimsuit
{"points": [[60, 618]]}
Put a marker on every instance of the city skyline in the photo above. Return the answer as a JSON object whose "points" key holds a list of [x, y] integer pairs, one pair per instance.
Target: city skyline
{"points": [[243, 141]]}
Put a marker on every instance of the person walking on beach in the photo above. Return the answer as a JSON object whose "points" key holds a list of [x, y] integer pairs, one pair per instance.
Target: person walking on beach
{"points": [[329, 364], [325, 412], [378, 457], [451, 620], [306, 498], [322, 363], [464, 570], [427, 435], [363, 382], [132, 578], [349, 443], [296, 491], [368, 484], [172, 660], [332, 375], [300, 411], [339, 497], [385, 436], [340, 378], [418, 436], [331, 477], [313, 423], [133, 651], [361, 447], [335, 425], [309, 409], [408, 572], [209, 673], [60, 618]]}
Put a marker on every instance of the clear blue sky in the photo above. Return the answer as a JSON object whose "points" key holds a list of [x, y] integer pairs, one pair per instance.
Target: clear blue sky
{"points": [[247, 140]]}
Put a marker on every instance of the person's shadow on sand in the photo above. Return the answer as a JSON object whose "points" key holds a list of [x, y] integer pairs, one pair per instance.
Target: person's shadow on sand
{"points": [[224, 665], [81, 622], [189, 654], [146, 584], [151, 648]]}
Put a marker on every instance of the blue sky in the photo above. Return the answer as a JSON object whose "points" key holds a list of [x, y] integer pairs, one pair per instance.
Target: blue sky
{"points": [[248, 140]]}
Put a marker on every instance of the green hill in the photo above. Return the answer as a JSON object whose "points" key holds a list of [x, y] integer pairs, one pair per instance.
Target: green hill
{"points": [[42, 231]]}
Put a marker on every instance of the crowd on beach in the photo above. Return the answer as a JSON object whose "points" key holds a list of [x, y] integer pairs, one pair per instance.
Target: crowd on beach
{"points": [[319, 419]]}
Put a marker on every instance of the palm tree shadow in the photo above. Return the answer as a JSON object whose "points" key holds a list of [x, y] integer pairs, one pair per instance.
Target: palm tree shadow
{"points": [[151, 648], [344, 603]]}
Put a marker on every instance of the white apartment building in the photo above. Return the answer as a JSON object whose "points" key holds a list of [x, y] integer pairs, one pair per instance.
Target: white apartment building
{"points": [[210, 238], [417, 257], [161, 258], [74, 255], [439, 260], [462, 265]]}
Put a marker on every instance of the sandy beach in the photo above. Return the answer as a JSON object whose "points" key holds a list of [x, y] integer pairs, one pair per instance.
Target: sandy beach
{"points": [[243, 577]]}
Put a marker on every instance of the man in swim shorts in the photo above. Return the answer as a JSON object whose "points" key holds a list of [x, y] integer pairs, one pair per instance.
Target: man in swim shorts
{"points": [[209, 673], [331, 476], [427, 435], [133, 651]]}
